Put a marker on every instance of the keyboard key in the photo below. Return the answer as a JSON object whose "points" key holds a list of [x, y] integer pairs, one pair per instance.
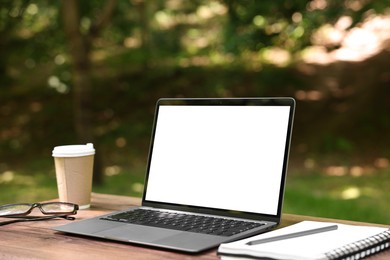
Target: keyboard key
{"points": [[184, 222]]}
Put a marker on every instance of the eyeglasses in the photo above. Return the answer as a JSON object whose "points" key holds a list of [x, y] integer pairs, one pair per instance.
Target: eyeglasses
{"points": [[21, 210]]}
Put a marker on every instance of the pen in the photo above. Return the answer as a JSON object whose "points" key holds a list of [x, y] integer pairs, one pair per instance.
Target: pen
{"points": [[292, 235]]}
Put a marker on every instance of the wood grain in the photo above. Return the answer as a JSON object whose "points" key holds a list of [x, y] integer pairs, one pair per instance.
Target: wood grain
{"points": [[36, 240]]}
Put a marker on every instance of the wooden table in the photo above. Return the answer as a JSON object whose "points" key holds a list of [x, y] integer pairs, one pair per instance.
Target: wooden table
{"points": [[36, 240]]}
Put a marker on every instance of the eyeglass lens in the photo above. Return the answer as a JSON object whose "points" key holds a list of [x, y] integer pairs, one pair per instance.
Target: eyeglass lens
{"points": [[51, 208], [14, 209], [46, 208]]}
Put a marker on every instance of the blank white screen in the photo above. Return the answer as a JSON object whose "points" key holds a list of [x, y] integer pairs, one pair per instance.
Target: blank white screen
{"points": [[227, 157]]}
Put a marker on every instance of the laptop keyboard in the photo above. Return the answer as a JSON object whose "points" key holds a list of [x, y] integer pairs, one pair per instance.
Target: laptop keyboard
{"points": [[184, 222]]}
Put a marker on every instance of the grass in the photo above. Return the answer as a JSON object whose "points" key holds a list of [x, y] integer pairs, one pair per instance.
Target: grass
{"points": [[19, 187], [363, 198]]}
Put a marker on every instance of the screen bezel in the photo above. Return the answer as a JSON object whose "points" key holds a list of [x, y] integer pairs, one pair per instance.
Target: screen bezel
{"points": [[275, 101]]}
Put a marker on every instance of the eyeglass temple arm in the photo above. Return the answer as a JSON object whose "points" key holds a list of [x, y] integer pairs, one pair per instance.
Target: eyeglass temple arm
{"points": [[30, 218]]}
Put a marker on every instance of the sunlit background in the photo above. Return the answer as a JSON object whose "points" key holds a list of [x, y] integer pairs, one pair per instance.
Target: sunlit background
{"points": [[81, 71]]}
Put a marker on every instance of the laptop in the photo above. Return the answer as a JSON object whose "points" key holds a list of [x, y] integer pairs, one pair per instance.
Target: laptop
{"points": [[217, 162]]}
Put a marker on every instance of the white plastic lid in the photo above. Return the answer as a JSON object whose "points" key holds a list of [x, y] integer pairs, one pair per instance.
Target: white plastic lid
{"points": [[73, 150]]}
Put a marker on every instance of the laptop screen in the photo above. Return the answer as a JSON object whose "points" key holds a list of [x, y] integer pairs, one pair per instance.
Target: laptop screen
{"points": [[220, 155]]}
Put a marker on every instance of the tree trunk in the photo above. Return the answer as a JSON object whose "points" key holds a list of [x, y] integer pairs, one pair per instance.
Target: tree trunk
{"points": [[79, 49], [145, 18]]}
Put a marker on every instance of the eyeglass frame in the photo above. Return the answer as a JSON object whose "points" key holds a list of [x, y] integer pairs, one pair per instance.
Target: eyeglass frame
{"points": [[39, 206]]}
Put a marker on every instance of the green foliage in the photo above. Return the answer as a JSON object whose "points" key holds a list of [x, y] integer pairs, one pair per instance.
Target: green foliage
{"points": [[34, 28], [152, 49], [336, 144]]}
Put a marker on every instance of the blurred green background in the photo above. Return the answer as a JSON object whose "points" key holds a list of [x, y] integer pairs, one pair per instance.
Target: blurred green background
{"points": [[91, 71]]}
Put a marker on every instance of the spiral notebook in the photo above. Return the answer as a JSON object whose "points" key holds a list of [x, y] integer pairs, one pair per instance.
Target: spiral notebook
{"points": [[347, 242]]}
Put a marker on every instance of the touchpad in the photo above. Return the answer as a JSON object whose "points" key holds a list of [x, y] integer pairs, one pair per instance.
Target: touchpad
{"points": [[136, 233], [189, 240]]}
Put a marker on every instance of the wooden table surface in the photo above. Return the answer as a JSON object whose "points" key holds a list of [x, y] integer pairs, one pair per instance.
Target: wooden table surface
{"points": [[36, 240]]}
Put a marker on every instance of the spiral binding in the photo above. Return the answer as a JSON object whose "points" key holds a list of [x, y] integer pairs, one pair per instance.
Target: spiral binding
{"points": [[361, 248]]}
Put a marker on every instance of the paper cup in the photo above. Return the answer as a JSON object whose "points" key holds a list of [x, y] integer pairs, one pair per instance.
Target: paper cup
{"points": [[74, 168]]}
